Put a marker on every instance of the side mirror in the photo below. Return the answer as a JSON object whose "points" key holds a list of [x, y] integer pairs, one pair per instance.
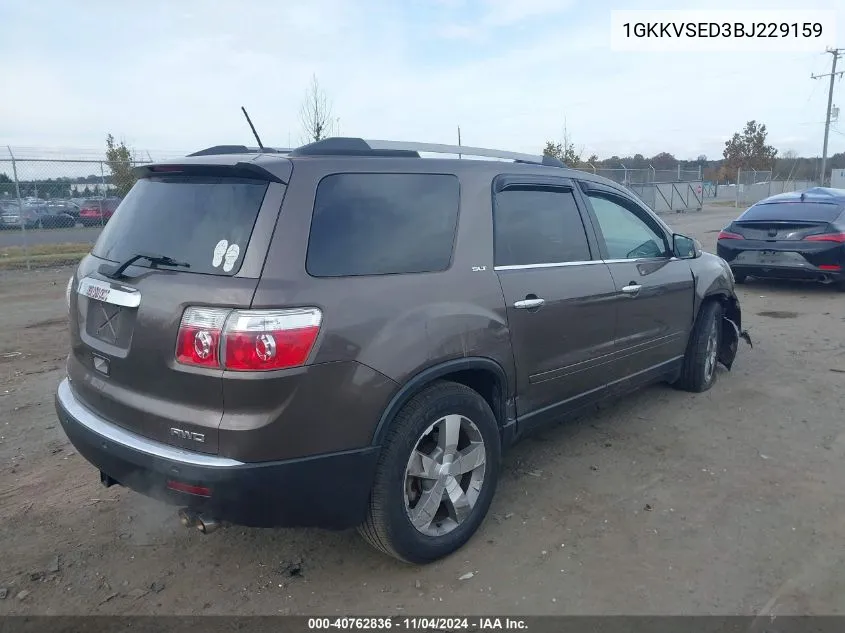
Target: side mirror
{"points": [[685, 247]]}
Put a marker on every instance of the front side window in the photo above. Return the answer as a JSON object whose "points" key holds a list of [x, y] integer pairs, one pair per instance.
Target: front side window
{"points": [[627, 233], [380, 224], [538, 226]]}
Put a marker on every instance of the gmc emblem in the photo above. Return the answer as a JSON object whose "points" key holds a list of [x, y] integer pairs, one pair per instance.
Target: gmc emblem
{"points": [[182, 434]]}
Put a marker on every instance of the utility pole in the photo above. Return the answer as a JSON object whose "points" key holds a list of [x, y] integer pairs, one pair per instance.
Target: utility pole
{"points": [[835, 53]]}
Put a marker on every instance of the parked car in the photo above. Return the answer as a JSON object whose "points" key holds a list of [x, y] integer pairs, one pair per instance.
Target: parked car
{"points": [[15, 216], [96, 211], [64, 206], [328, 345], [52, 216], [796, 235]]}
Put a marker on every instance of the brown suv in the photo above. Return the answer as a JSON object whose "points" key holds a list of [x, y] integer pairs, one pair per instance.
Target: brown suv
{"points": [[348, 334]]}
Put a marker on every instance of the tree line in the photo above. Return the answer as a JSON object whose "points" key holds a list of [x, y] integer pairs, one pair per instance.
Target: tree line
{"points": [[747, 150]]}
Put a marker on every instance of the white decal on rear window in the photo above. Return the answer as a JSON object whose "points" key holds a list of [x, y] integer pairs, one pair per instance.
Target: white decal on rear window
{"points": [[231, 257], [219, 252]]}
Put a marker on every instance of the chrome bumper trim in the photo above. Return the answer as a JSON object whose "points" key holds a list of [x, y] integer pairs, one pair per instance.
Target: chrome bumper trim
{"points": [[94, 423]]}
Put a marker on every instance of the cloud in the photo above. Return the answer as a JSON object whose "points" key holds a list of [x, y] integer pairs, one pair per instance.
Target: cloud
{"points": [[508, 73], [494, 15]]}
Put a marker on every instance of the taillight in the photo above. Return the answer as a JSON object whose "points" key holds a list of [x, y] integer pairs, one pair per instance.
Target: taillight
{"points": [[260, 340], [826, 237], [247, 340], [200, 333], [728, 235]]}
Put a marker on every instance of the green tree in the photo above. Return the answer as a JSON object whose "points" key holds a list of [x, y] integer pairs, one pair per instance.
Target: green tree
{"points": [[7, 185], [564, 153], [664, 160], [637, 162], [748, 150], [564, 150], [119, 161]]}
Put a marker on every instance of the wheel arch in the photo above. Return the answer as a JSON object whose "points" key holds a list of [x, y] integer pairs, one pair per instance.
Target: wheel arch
{"points": [[730, 304], [483, 375], [731, 323]]}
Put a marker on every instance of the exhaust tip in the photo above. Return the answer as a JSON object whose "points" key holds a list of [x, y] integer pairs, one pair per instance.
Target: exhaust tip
{"points": [[207, 525]]}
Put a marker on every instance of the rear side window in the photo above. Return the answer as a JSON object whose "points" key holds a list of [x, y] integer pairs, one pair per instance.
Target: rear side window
{"points": [[204, 222], [779, 211], [538, 226], [380, 224]]}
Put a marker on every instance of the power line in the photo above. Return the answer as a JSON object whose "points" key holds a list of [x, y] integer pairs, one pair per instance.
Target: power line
{"points": [[835, 53]]}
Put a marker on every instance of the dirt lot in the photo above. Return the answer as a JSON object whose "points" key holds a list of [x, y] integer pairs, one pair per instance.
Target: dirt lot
{"points": [[729, 502]]}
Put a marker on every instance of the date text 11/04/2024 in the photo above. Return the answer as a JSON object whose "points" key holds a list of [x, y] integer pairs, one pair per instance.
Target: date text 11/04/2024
{"points": [[418, 624]]}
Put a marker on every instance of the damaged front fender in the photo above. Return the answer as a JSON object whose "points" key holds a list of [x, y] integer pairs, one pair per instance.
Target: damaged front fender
{"points": [[731, 333]]}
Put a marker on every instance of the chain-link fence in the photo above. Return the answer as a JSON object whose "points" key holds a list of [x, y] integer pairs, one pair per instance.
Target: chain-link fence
{"points": [[625, 176], [52, 209], [664, 190], [54, 203], [751, 186]]}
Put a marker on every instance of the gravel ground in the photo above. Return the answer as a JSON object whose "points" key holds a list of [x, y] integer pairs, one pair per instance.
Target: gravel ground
{"points": [[728, 502]]}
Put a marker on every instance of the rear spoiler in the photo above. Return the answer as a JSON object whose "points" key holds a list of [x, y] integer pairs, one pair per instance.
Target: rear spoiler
{"points": [[232, 170]]}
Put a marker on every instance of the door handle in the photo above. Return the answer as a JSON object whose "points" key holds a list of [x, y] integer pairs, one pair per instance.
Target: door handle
{"points": [[632, 290], [527, 304]]}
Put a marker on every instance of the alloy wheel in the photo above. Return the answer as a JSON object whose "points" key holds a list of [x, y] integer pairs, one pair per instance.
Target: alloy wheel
{"points": [[444, 475]]}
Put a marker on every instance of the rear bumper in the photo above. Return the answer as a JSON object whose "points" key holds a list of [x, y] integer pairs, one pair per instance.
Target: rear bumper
{"points": [[809, 273], [329, 491], [748, 257]]}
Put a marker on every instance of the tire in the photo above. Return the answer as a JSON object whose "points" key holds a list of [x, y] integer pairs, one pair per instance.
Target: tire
{"points": [[421, 424], [698, 372], [740, 278]]}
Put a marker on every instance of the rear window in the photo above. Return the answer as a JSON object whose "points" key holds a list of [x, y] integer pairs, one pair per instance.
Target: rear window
{"points": [[810, 211], [379, 224], [204, 222]]}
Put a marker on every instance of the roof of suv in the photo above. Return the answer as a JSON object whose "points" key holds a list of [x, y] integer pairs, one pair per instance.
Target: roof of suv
{"points": [[276, 163]]}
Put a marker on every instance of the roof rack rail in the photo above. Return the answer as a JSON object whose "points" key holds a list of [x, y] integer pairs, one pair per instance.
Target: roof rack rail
{"points": [[347, 146], [238, 149], [361, 147]]}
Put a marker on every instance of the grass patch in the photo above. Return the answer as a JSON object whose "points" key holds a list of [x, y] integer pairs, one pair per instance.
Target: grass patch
{"points": [[42, 255]]}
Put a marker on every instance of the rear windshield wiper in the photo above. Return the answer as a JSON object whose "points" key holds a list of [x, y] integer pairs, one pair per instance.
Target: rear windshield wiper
{"points": [[155, 260]]}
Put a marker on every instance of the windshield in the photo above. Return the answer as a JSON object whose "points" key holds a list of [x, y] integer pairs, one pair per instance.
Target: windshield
{"points": [[785, 211], [204, 222]]}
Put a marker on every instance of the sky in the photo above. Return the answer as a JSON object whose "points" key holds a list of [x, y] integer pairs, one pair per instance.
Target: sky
{"points": [[170, 76]]}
